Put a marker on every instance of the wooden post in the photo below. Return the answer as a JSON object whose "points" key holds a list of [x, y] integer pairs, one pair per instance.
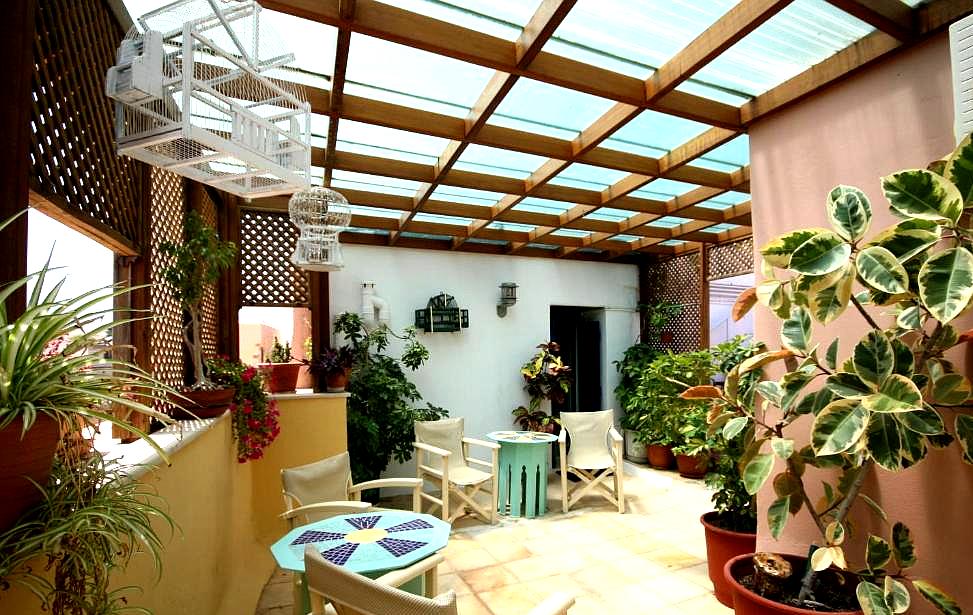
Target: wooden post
{"points": [[704, 295], [228, 289], [17, 46], [320, 312]]}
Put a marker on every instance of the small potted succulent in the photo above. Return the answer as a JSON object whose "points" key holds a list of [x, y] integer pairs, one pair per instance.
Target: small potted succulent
{"points": [[333, 367], [195, 264], [282, 370]]}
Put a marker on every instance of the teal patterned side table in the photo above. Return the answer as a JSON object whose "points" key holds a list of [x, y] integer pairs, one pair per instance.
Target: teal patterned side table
{"points": [[523, 472]]}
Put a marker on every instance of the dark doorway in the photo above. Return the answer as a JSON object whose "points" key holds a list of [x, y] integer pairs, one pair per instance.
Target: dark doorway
{"points": [[578, 331]]}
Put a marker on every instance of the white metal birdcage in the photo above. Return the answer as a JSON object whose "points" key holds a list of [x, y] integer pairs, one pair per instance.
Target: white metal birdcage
{"points": [[196, 93], [319, 214]]}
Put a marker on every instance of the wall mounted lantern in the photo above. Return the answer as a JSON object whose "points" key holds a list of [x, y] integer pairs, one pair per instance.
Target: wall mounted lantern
{"points": [[442, 314], [508, 297]]}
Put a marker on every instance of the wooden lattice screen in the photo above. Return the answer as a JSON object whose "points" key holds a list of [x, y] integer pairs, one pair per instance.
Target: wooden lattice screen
{"points": [[73, 158], [208, 211], [676, 280], [267, 277], [168, 197], [730, 259]]}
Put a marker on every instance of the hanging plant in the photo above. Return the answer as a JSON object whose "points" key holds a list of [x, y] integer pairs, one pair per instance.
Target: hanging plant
{"points": [[255, 417]]}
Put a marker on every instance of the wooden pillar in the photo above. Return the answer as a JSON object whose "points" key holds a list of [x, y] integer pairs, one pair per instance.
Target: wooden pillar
{"points": [[228, 289], [17, 49], [320, 312], [704, 295]]}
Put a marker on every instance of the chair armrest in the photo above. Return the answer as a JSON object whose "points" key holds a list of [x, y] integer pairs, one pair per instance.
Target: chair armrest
{"points": [[479, 462], [555, 604], [617, 437], [562, 437], [435, 450], [411, 483], [338, 507], [398, 577], [483, 443]]}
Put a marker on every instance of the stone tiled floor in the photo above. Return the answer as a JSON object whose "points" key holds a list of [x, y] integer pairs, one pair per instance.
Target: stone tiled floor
{"points": [[651, 559]]}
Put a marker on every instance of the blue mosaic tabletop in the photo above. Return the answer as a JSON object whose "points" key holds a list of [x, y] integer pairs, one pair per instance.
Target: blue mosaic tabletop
{"points": [[365, 542]]}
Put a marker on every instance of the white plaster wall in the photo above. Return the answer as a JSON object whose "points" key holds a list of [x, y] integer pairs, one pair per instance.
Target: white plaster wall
{"points": [[475, 373]]}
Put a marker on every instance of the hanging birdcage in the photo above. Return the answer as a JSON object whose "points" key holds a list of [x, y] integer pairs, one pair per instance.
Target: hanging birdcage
{"points": [[320, 214], [199, 90]]}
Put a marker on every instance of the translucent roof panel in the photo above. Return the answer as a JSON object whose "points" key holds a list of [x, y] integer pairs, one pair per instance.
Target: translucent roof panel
{"points": [[424, 217], [719, 228], [379, 212], [633, 37], [664, 189], [669, 221], [412, 77], [792, 41], [728, 157], [725, 200], [388, 142], [496, 161], [653, 134], [543, 206], [313, 44], [610, 215], [548, 109], [672, 242], [425, 236], [510, 226], [470, 196], [500, 18], [367, 231], [568, 232], [586, 176], [626, 238], [489, 242], [374, 183]]}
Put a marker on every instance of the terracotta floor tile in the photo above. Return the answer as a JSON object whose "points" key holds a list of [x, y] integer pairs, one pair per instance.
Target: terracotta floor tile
{"points": [[472, 605], [487, 579], [471, 559]]}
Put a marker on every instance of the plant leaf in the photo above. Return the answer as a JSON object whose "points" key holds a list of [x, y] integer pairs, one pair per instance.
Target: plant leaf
{"points": [[777, 515], [964, 434], [822, 558], [905, 361], [782, 447], [847, 386], [795, 333], [874, 359], [884, 441], [881, 270], [757, 471], [909, 318], [770, 294], [937, 597], [897, 394], [734, 426], [903, 548], [925, 421], [946, 283], [896, 595], [872, 599], [838, 427], [918, 193], [821, 254], [951, 389], [778, 251], [829, 298], [759, 360], [906, 241], [744, 303], [702, 391], [849, 212], [834, 533], [959, 169], [878, 510], [831, 355], [878, 553]]}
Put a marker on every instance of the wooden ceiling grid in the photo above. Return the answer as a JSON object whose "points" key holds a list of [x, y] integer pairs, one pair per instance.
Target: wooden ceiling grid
{"points": [[896, 25]]}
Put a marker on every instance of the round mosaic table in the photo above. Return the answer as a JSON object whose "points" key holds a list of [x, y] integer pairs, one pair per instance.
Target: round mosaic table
{"points": [[371, 543], [523, 472]]}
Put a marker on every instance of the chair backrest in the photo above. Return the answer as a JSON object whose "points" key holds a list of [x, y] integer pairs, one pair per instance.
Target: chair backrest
{"points": [[446, 434], [354, 594], [321, 481], [589, 435]]}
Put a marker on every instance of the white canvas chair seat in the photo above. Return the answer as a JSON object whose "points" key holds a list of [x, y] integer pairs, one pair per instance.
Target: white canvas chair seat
{"points": [[353, 594], [595, 457], [442, 456]]}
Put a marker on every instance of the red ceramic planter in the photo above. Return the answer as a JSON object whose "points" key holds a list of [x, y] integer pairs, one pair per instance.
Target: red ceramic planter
{"points": [[23, 460], [282, 376], [692, 466], [204, 404], [722, 546], [745, 602], [661, 457]]}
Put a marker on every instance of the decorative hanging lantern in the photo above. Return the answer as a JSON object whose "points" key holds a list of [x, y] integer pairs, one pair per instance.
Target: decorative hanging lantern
{"points": [[319, 214]]}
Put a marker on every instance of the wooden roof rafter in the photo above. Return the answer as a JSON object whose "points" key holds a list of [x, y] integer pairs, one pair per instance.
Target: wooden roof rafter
{"points": [[346, 10]]}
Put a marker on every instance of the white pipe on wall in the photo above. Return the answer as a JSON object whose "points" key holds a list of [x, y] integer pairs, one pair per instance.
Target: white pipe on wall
{"points": [[372, 303]]}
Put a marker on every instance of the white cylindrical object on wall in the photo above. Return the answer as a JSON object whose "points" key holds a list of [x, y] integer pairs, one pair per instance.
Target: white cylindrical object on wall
{"points": [[370, 303]]}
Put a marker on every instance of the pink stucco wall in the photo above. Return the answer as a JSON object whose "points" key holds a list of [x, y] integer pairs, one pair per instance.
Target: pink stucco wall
{"points": [[893, 116]]}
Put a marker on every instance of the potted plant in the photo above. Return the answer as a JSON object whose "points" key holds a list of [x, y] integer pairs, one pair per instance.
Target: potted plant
{"points": [[694, 452], [282, 370], [333, 367], [255, 416], [546, 377], [55, 370], [533, 418], [882, 399], [195, 264]]}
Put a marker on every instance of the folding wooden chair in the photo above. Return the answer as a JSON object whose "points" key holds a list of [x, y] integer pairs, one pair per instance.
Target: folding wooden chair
{"points": [[595, 457]]}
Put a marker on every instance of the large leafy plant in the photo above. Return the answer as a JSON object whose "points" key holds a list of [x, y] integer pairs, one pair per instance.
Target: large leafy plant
{"points": [[659, 411], [880, 402]]}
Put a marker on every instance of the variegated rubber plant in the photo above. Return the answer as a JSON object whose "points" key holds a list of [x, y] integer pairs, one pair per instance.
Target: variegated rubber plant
{"points": [[882, 401]]}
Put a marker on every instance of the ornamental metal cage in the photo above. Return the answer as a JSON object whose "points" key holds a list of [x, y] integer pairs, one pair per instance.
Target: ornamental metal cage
{"points": [[319, 214], [442, 315], [195, 92]]}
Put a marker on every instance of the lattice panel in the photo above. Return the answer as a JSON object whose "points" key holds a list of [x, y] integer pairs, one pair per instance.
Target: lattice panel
{"points": [[167, 207], [72, 143], [677, 281], [730, 259], [267, 276], [207, 210]]}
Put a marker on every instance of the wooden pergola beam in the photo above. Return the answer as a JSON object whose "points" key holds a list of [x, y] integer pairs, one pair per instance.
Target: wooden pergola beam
{"points": [[894, 17], [346, 10]]}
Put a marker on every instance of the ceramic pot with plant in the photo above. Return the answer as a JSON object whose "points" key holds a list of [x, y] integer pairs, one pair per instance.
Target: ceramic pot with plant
{"points": [[255, 417], [59, 367], [878, 402], [282, 370], [546, 378], [195, 264], [694, 452], [333, 367]]}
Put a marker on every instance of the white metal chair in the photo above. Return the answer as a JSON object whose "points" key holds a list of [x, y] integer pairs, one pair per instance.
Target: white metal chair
{"points": [[444, 440], [324, 489], [595, 457], [354, 594]]}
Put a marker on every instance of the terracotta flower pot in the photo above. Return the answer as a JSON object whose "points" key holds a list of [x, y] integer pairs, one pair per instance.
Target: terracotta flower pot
{"points": [[721, 546], [335, 382], [661, 457], [21, 459], [282, 376], [204, 404], [693, 466], [746, 602]]}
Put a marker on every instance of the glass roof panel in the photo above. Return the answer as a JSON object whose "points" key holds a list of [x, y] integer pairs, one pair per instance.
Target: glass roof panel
{"points": [[543, 206], [570, 232], [404, 75], [457, 194], [543, 246], [496, 161], [366, 231], [374, 183], [380, 212], [548, 109], [795, 39], [313, 44], [664, 189], [719, 228], [388, 142], [611, 215], [510, 226], [728, 157], [490, 242], [725, 200], [626, 238], [586, 176], [500, 18], [714, 92], [655, 133], [633, 37], [672, 242], [425, 236], [669, 221], [424, 217]]}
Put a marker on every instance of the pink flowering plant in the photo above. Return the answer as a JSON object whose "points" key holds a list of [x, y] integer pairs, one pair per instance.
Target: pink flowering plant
{"points": [[255, 416]]}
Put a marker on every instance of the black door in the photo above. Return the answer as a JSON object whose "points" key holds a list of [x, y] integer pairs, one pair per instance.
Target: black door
{"points": [[578, 333]]}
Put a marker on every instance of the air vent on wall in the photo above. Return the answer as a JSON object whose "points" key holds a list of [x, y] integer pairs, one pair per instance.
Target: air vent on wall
{"points": [[961, 56]]}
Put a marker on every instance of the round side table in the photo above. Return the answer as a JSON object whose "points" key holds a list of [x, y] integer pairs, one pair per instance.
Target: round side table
{"points": [[523, 472]]}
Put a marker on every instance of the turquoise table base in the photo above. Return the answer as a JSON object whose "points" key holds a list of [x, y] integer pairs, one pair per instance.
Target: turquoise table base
{"points": [[522, 489]]}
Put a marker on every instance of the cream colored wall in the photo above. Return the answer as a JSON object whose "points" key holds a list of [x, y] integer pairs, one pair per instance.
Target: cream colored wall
{"points": [[219, 560], [894, 116]]}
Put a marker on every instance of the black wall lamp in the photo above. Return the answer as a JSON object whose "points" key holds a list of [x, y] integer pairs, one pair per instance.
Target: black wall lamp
{"points": [[508, 297]]}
